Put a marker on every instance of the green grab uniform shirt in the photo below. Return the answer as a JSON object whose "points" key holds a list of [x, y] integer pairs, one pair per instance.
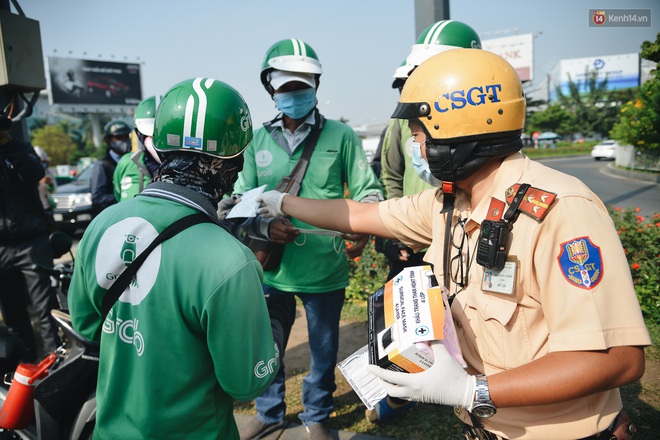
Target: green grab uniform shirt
{"points": [[312, 263], [127, 175], [190, 335]]}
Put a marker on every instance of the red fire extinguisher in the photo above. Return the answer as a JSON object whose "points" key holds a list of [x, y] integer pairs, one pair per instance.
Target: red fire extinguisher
{"points": [[18, 409]]}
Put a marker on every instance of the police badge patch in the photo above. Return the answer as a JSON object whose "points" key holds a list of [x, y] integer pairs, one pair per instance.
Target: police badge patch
{"points": [[581, 262]]}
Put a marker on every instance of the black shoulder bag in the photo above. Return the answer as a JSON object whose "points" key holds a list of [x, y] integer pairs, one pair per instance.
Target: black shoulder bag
{"points": [[269, 254], [118, 287]]}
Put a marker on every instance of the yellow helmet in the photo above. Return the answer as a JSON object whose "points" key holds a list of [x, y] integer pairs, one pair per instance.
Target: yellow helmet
{"points": [[472, 107]]}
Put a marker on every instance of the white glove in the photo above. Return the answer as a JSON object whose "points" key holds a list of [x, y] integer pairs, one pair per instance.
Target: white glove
{"points": [[445, 383], [271, 204]]}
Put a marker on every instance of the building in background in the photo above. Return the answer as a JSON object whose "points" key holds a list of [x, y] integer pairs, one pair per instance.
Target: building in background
{"points": [[518, 50], [622, 72]]}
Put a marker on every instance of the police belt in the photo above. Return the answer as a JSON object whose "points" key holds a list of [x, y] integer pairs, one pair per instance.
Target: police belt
{"points": [[621, 429]]}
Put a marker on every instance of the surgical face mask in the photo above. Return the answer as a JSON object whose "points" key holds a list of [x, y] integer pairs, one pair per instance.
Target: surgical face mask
{"points": [[422, 167], [296, 104]]}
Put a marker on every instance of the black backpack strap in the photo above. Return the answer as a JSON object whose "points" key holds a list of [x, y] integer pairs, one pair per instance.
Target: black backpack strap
{"points": [[136, 158], [118, 287]]}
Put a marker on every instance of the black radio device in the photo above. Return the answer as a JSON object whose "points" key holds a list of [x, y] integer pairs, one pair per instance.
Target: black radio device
{"points": [[493, 244]]}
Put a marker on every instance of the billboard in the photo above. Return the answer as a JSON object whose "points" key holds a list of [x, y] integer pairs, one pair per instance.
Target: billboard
{"points": [[621, 71], [517, 50], [90, 82]]}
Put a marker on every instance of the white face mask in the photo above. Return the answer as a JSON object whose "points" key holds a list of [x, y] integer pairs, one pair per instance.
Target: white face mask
{"points": [[422, 167]]}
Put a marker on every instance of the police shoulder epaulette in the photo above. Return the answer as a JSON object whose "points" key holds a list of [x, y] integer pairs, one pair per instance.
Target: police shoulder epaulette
{"points": [[535, 202]]}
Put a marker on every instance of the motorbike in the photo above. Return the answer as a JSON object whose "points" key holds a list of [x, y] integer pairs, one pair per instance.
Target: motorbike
{"points": [[55, 400]]}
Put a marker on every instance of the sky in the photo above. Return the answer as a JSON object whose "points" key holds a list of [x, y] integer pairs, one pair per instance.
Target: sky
{"points": [[359, 42]]}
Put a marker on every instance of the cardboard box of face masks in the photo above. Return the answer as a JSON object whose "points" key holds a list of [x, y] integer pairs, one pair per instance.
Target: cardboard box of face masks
{"points": [[404, 315]]}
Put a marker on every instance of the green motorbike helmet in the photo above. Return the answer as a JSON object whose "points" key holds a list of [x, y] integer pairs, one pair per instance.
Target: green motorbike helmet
{"points": [[439, 37], [203, 115], [290, 55], [145, 115]]}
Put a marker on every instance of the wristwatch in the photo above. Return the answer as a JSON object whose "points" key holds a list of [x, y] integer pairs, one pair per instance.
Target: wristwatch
{"points": [[482, 407]]}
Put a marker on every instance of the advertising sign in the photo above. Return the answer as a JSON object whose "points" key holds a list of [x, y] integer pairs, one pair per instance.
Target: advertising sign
{"points": [[621, 71], [517, 50], [77, 81]]}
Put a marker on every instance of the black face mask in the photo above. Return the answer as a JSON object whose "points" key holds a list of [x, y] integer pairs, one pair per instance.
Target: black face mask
{"points": [[456, 162], [120, 146], [208, 175]]}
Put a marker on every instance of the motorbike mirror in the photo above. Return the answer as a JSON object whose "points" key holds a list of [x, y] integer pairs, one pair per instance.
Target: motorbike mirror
{"points": [[60, 243]]}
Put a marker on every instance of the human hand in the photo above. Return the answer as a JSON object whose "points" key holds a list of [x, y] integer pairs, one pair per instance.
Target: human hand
{"points": [[271, 204], [445, 383], [396, 251], [226, 205], [282, 231], [358, 247]]}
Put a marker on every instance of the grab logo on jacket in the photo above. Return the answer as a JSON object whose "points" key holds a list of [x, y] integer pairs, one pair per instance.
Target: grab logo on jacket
{"points": [[263, 158], [120, 244], [126, 183]]}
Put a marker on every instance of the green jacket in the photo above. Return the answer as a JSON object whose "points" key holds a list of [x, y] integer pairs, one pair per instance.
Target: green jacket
{"points": [[190, 335], [397, 173], [313, 263], [131, 176]]}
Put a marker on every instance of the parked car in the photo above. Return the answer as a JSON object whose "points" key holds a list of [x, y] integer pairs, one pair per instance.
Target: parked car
{"points": [[63, 180], [605, 150], [73, 209], [107, 86]]}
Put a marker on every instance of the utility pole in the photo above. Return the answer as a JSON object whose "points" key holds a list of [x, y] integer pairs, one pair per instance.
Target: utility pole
{"points": [[21, 67], [428, 12], [5, 95]]}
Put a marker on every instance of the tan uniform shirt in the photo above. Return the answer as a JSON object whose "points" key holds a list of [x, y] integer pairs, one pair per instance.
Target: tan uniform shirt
{"points": [[567, 288]]}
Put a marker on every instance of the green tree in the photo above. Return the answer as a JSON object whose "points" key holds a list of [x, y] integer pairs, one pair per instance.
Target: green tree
{"points": [[553, 118], [609, 112], [585, 102], [651, 51], [56, 143], [531, 105], [639, 119], [587, 108]]}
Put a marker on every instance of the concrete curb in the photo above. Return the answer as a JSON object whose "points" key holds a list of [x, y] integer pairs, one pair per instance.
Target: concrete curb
{"points": [[636, 175]]}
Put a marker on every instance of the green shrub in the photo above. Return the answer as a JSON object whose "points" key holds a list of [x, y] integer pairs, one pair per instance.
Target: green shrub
{"points": [[367, 273], [562, 149], [640, 237]]}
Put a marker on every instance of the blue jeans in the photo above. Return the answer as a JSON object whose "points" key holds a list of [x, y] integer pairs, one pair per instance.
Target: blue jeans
{"points": [[323, 311]]}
